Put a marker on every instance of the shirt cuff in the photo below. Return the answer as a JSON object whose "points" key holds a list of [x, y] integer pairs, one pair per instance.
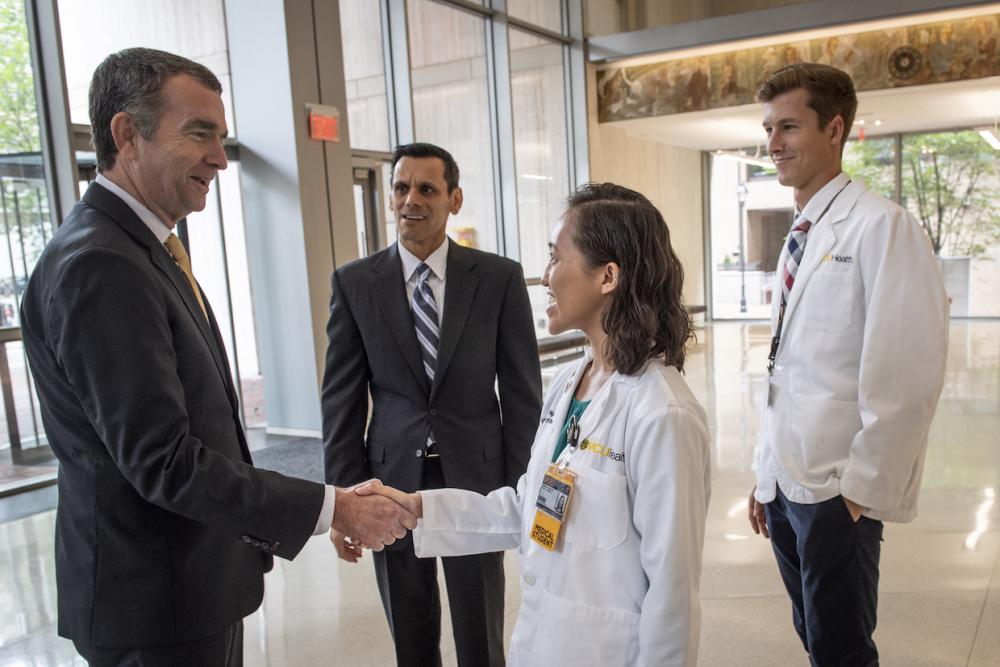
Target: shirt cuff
{"points": [[326, 513]]}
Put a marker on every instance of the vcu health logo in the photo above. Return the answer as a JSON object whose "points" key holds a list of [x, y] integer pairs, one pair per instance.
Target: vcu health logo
{"points": [[842, 259], [601, 450]]}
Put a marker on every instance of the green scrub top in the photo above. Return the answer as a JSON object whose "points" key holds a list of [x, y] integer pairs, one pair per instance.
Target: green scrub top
{"points": [[576, 409]]}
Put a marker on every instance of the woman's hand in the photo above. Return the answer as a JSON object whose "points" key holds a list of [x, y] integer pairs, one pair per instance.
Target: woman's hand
{"points": [[408, 501]]}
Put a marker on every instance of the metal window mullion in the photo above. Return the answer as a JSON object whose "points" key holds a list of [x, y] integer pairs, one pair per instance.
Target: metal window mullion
{"points": [[537, 30], [897, 164], [575, 65], [237, 375], [499, 7], [398, 85], [469, 6], [54, 128], [570, 115], [706, 223], [502, 129]]}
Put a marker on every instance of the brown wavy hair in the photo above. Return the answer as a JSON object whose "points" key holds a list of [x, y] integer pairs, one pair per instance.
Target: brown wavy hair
{"points": [[645, 318]]}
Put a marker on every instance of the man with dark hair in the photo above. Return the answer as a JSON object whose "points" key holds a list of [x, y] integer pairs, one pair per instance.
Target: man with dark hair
{"points": [[860, 329], [164, 528], [429, 328]]}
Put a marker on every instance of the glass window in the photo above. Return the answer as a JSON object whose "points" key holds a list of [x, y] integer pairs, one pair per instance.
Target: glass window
{"points": [[451, 108], [25, 227], [750, 215], [219, 260], [544, 13], [364, 74], [93, 29], [951, 183], [541, 153], [873, 161]]}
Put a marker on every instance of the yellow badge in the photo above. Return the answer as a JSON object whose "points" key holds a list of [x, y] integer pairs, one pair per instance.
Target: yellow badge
{"points": [[552, 506]]}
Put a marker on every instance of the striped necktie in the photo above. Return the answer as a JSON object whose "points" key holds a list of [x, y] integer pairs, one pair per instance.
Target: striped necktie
{"points": [[796, 246], [425, 320]]}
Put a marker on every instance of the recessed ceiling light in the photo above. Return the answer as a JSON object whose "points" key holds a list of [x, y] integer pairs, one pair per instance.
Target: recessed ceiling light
{"points": [[878, 123]]}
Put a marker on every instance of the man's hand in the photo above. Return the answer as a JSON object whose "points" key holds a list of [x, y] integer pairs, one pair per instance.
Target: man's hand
{"points": [[348, 548], [372, 520], [755, 512], [854, 508], [411, 501]]}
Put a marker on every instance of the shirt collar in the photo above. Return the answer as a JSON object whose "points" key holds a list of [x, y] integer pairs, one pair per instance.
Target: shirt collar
{"points": [[150, 219], [819, 201], [437, 260]]}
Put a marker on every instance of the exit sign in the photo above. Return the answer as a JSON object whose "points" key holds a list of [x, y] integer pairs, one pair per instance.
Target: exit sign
{"points": [[324, 122]]}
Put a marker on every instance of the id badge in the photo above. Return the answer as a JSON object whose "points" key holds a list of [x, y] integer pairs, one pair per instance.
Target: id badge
{"points": [[552, 506]]}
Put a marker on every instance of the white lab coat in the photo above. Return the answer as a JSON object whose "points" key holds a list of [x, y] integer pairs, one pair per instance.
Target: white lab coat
{"points": [[861, 361], [623, 587]]}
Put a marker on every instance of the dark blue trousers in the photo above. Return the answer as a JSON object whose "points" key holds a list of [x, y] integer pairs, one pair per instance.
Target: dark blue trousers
{"points": [[829, 564]]}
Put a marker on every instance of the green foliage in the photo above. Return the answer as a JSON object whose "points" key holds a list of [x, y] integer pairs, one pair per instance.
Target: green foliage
{"points": [[951, 184], [25, 224], [18, 114], [873, 161]]}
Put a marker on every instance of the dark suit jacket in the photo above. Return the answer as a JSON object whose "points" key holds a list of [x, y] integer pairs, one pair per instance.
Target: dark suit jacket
{"points": [[487, 340], [164, 528]]}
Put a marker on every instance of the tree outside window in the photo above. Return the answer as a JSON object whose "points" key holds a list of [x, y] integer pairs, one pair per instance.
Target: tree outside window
{"points": [[950, 184], [24, 208]]}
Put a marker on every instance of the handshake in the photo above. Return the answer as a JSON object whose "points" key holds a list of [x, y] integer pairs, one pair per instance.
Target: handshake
{"points": [[372, 515]]}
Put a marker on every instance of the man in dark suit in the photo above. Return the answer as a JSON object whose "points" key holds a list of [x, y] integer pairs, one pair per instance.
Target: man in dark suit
{"points": [[430, 329], [164, 528]]}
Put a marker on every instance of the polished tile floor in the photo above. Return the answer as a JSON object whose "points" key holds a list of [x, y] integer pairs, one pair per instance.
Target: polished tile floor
{"points": [[940, 585]]}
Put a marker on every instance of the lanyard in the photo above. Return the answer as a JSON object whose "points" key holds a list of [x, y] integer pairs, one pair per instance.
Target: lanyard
{"points": [[572, 439], [776, 339]]}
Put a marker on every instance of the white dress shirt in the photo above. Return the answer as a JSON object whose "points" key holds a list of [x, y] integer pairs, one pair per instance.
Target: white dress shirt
{"points": [[438, 262], [161, 231]]}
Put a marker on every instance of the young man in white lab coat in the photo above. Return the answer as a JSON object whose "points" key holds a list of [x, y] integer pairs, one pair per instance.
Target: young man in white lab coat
{"points": [[860, 326]]}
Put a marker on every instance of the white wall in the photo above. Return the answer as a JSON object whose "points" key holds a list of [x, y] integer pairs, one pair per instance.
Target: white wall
{"points": [[671, 178]]}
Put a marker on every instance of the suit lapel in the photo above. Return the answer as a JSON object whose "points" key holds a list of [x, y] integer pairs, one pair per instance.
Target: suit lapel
{"points": [[459, 292], [166, 263], [125, 217], [388, 283], [221, 347]]}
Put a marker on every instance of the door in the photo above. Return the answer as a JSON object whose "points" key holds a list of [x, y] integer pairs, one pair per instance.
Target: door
{"points": [[376, 227]]}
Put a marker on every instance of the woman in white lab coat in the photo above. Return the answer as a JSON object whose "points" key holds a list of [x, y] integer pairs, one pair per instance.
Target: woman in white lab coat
{"points": [[621, 585]]}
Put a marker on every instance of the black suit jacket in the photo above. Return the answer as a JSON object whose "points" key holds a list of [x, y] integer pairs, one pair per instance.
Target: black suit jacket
{"points": [[487, 341], [164, 528]]}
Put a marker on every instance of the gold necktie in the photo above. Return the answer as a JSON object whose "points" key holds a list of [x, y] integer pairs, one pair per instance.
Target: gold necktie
{"points": [[176, 248]]}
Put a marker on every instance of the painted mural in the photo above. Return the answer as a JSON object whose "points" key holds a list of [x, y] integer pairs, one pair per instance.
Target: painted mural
{"points": [[908, 56]]}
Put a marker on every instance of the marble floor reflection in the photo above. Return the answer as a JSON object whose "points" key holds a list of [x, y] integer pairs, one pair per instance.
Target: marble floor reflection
{"points": [[940, 583]]}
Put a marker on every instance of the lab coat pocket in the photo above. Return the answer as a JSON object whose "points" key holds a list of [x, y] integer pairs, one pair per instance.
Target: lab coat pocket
{"points": [[598, 515], [578, 634], [828, 300], [824, 429]]}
